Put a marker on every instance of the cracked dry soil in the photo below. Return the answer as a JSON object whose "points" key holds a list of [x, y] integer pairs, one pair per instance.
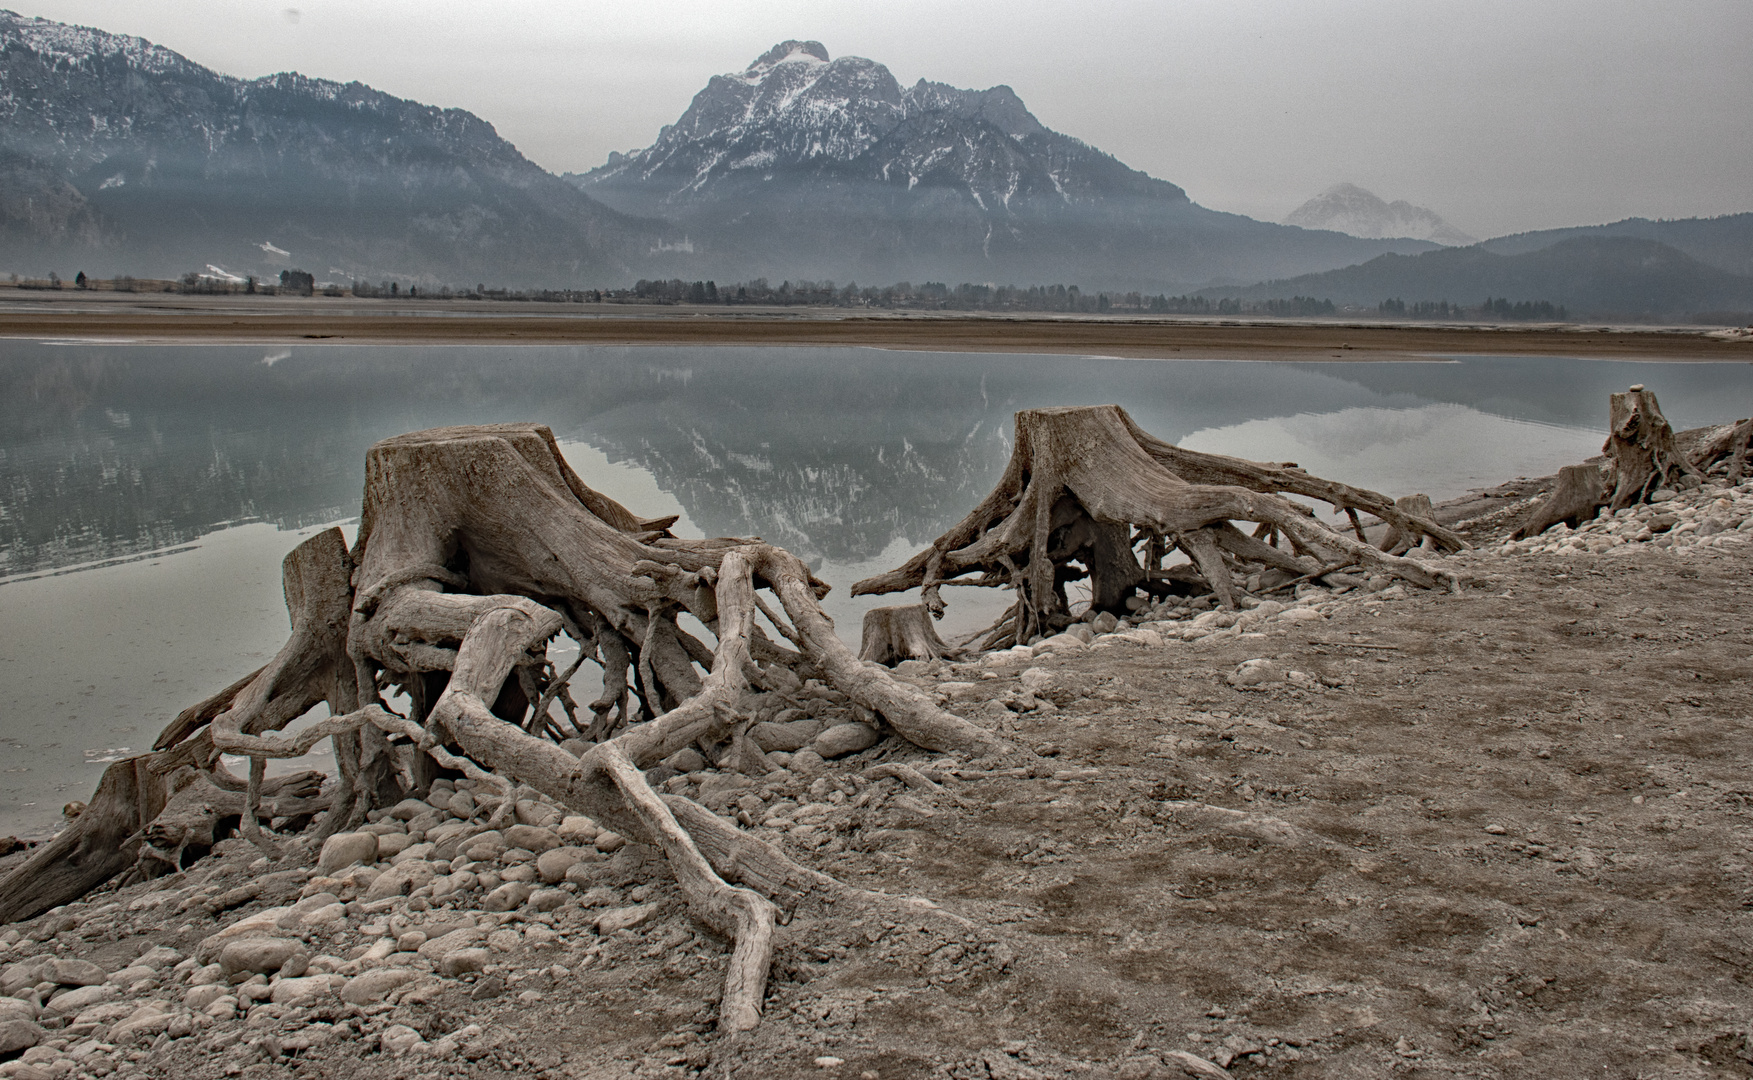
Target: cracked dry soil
{"points": [[1502, 834]]}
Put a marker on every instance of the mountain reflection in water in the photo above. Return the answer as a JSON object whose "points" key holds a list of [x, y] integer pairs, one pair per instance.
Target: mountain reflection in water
{"points": [[107, 451]]}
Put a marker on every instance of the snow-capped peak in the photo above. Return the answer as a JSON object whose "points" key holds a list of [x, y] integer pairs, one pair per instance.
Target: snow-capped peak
{"points": [[1350, 209], [789, 52], [76, 44]]}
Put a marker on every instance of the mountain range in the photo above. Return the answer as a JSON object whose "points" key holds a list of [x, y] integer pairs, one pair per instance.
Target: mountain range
{"points": [[118, 156], [806, 166], [1348, 208], [121, 156], [1592, 274]]}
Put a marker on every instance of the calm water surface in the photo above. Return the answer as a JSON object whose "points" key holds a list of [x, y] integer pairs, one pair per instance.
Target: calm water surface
{"points": [[148, 493]]}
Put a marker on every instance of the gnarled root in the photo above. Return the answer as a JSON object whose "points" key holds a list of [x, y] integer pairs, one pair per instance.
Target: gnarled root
{"points": [[477, 547], [1080, 480]]}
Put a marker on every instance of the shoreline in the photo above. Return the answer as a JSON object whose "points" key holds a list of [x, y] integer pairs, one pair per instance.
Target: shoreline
{"points": [[1219, 862], [296, 321]]}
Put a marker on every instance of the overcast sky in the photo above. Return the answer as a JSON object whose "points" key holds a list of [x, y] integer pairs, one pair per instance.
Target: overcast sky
{"points": [[1501, 115]]}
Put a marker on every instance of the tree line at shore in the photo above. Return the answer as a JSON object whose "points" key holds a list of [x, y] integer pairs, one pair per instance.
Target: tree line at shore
{"points": [[904, 295]]}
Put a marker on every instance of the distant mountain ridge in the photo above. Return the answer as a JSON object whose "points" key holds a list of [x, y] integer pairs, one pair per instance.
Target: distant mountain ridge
{"points": [[1618, 277], [803, 166], [125, 155], [1350, 209], [119, 156], [1725, 242]]}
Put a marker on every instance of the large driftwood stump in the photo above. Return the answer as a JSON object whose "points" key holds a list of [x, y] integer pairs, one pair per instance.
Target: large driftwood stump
{"points": [[477, 547], [1640, 446], [894, 634], [1722, 447], [1578, 493], [1081, 480]]}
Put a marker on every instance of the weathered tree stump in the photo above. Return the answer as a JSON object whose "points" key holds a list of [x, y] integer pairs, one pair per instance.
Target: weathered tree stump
{"points": [[1081, 480], [1724, 446], [477, 546], [1398, 540], [1575, 497], [893, 634], [1640, 446]]}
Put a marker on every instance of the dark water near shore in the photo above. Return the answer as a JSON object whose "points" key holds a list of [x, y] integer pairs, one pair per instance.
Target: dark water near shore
{"points": [[147, 493]]}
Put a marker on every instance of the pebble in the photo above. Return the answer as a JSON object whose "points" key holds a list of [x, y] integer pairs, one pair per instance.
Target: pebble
{"points": [[374, 986], [70, 972], [551, 866], [74, 1001], [259, 954], [1250, 673], [399, 1039], [625, 918], [531, 838], [507, 897], [442, 946], [548, 899], [843, 739], [463, 961], [347, 849], [771, 736], [17, 1035]]}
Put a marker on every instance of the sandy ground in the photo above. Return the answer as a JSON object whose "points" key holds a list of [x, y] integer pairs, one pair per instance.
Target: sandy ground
{"points": [[1499, 834], [139, 317]]}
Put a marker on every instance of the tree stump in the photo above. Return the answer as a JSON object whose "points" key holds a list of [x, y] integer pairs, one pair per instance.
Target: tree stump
{"points": [[1399, 541], [1640, 446], [1578, 493], [1085, 484], [894, 634], [477, 546]]}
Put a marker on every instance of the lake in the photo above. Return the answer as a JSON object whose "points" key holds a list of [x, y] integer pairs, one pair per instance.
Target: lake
{"points": [[148, 493]]}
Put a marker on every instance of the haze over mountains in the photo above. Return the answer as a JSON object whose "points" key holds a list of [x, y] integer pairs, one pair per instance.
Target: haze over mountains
{"points": [[121, 157], [803, 166], [1348, 208]]}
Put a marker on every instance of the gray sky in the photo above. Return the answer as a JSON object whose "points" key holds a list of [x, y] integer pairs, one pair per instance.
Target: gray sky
{"points": [[1501, 115]]}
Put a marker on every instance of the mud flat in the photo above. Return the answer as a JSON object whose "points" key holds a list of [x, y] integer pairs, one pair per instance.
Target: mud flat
{"points": [[145, 318], [1400, 833]]}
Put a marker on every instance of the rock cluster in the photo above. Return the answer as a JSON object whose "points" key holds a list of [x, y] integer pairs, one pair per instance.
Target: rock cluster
{"points": [[1712, 515]]}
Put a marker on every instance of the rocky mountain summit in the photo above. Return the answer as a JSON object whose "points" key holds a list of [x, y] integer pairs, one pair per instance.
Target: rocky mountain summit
{"points": [[802, 165], [1350, 209], [126, 157]]}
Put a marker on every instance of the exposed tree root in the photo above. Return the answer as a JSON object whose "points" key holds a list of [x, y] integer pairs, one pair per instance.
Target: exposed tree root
{"points": [[477, 547], [1080, 480]]}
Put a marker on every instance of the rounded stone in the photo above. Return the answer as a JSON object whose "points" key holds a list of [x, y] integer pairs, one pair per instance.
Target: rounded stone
{"points": [[73, 1002], [262, 955], [551, 866], [610, 842], [303, 991], [508, 896], [373, 986], [72, 972], [531, 838], [843, 739], [346, 849], [19, 1035], [464, 960], [547, 899]]}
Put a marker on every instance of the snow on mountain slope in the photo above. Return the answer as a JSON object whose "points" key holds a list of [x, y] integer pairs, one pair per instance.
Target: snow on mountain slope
{"points": [[803, 165], [1350, 209]]}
